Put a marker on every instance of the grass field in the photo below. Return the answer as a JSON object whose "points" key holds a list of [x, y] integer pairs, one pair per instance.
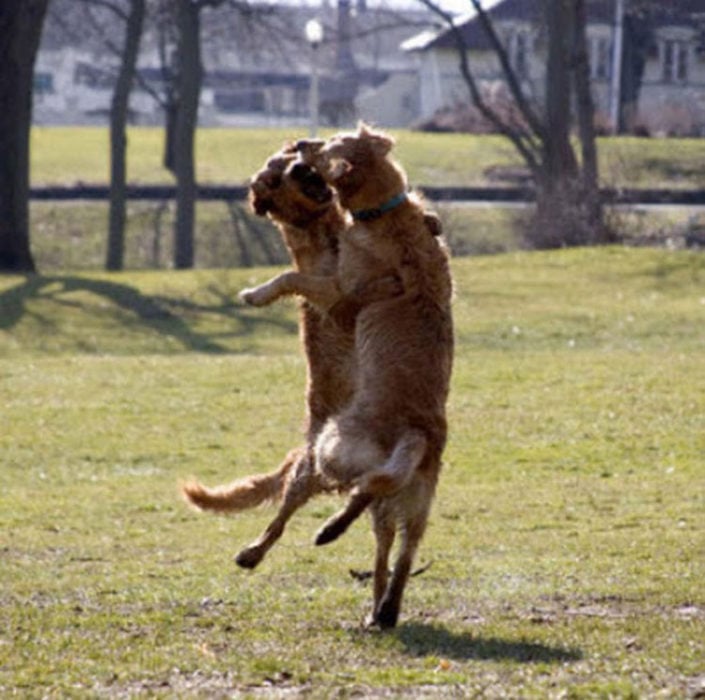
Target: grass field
{"points": [[64, 155], [567, 541]]}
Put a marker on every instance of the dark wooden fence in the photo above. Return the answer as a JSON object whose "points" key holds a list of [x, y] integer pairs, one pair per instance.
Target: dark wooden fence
{"points": [[229, 193]]}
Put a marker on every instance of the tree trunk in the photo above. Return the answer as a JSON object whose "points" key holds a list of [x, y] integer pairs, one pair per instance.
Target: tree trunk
{"points": [[557, 181], [189, 87], [569, 208], [171, 109], [591, 210], [20, 30], [584, 101], [118, 137], [559, 159], [638, 36]]}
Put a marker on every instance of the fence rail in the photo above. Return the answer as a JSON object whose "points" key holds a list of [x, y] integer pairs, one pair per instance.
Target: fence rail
{"points": [[229, 193]]}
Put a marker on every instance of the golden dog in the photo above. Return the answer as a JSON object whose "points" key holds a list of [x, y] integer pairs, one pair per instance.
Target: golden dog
{"points": [[388, 440]]}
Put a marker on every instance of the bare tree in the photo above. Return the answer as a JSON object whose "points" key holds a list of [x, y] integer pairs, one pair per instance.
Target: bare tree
{"points": [[183, 71], [119, 113], [97, 19], [164, 20], [21, 24], [569, 208], [188, 88]]}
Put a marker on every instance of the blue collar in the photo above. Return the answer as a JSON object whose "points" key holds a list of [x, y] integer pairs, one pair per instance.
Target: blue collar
{"points": [[370, 214]]}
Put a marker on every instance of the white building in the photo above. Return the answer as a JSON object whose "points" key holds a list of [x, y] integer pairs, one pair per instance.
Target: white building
{"points": [[672, 93]]}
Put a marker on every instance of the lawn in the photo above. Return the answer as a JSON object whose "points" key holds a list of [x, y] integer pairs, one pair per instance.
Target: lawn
{"points": [[567, 541], [65, 155]]}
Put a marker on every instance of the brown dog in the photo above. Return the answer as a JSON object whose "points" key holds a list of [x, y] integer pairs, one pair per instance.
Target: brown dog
{"points": [[310, 219], [387, 442]]}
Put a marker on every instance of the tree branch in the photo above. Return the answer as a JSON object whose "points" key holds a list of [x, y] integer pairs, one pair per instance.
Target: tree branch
{"points": [[514, 86], [522, 141], [107, 5]]}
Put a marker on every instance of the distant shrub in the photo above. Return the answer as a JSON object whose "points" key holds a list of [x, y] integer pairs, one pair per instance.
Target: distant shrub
{"points": [[467, 118]]}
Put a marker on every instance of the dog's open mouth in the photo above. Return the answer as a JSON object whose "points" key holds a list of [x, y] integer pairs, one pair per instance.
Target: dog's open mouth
{"points": [[310, 182]]}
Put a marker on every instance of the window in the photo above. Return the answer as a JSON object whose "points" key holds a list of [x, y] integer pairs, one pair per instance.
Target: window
{"points": [[43, 83], [675, 61], [600, 58], [240, 101]]}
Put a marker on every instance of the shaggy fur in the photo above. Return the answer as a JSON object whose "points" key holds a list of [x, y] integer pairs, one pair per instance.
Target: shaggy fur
{"points": [[309, 219], [388, 440]]}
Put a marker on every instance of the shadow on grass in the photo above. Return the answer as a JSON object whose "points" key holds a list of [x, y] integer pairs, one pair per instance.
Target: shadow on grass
{"points": [[423, 640], [678, 271], [162, 314], [669, 170]]}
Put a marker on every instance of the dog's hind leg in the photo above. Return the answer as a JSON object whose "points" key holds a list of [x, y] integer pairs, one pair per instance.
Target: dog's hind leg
{"points": [[385, 529], [335, 526], [399, 469], [303, 484], [387, 613], [394, 474]]}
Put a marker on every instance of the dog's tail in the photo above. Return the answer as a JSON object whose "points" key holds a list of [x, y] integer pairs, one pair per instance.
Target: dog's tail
{"points": [[244, 493]]}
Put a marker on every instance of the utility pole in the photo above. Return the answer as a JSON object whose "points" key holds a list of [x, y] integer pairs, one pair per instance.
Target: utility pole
{"points": [[617, 51], [314, 36]]}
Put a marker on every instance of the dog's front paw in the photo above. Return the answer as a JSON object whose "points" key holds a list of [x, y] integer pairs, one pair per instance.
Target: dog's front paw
{"points": [[253, 297], [249, 557]]}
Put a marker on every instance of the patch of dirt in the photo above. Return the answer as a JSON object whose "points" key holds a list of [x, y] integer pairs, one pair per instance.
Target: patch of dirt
{"points": [[556, 608], [213, 685], [696, 687]]}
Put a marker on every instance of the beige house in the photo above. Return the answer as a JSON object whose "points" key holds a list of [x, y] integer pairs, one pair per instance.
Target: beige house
{"points": [[670, 56]]}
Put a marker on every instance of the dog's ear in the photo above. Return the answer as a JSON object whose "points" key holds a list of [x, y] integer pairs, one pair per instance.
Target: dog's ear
{"points": [[380, 142]]}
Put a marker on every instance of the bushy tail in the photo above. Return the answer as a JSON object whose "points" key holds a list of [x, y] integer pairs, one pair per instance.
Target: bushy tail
{"points": [[244, 493]]}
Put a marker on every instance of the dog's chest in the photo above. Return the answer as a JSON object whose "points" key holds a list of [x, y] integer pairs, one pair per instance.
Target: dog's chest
{"points": [[366, 255]]}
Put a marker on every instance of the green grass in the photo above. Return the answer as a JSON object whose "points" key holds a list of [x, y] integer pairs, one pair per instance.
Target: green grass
{"points": [[567, 537], [65, 155]]}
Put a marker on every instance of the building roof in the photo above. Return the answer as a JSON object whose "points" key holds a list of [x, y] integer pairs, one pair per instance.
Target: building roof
{"points": [[677, 12]]}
